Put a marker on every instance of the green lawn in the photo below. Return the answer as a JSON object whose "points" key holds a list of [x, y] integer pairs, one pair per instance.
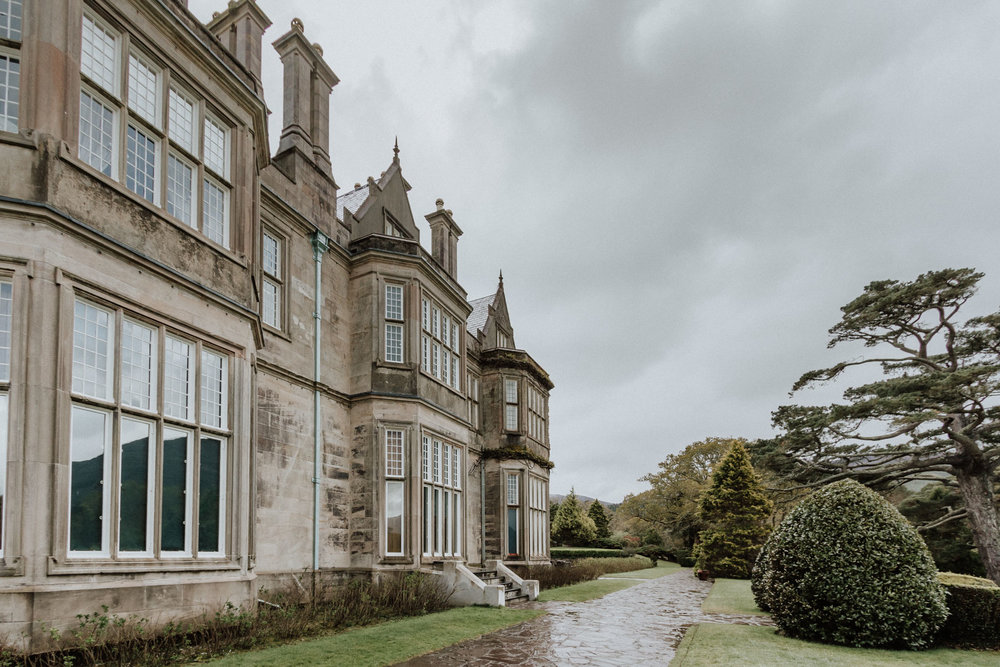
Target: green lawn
{"points": [[730, 596], [711, 644], [608, 583], [649, 573], [387, 643]]}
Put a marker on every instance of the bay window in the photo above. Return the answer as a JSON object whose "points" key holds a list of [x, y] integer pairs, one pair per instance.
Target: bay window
{"points": [[137, 440], [536, 413], [179, 139], [440, 344], [538, 517]]}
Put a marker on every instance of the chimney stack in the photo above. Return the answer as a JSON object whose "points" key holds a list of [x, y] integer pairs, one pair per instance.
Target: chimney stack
{"points": [[308, 82], [444, 238], [240, 29]]}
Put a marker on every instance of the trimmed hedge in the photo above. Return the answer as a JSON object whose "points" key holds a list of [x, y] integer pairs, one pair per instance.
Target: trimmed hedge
{"points": [[556, 552], [845, 567], [973, 612]]}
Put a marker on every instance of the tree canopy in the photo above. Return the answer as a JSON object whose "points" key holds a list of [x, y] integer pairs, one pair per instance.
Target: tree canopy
{"points": [[570, 525], [933, 415], [671, 504], [599, 515]]}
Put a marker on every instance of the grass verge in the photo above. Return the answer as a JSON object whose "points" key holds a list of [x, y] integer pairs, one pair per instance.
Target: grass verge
{"points": [[387, 643], [711, 644], [608, 583], [730, 596]]}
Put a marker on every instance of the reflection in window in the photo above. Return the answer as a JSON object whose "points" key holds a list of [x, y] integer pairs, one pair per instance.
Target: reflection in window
{"points": [[88, 503]]}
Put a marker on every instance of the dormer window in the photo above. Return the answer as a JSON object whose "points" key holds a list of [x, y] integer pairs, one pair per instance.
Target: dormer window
{"points": [[392, 227]]}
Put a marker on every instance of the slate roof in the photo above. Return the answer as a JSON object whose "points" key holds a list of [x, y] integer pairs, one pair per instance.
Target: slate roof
{"points": [[480, 311], [352, 200]]}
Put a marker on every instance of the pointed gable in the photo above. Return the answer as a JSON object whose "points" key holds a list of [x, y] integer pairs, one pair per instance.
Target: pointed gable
{"points": [[490, 316], [380, 207]]}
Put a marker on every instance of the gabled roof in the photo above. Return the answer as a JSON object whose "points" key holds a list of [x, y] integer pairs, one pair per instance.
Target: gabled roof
{"points": [[352, 200], [480, 312]]}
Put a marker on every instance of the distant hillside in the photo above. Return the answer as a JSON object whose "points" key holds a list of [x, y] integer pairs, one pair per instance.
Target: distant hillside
{"points": [[558, 498]]}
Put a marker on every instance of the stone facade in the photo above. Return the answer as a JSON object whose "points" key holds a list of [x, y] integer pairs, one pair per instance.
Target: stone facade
{"points": [[216, 373]]}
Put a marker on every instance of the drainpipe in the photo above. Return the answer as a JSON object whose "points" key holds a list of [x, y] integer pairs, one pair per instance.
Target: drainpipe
{"points": [[320, 244], [482, 512]]}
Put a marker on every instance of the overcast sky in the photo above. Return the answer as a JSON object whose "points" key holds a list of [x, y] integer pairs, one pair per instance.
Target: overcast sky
{"points": [[681, 195]]}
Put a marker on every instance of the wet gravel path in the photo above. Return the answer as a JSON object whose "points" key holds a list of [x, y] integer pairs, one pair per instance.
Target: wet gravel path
{"points": [[640, 625]]}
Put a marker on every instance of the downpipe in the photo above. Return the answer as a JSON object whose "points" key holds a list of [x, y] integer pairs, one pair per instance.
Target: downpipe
{"points": [[320, 244]]}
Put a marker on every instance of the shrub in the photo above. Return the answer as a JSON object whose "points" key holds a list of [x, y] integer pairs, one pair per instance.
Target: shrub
{"points": [[573, 554], [585, 569], [685, 558], [654, 553], [845, 567], [973, 612]]}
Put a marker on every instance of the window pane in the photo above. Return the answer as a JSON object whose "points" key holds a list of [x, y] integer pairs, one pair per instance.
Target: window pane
{"points": [[173, 517], [510, 391], [181, 120], [97, 55], [446, 464], [142, 89], [140, 164], [512, 516], [428, 522], [11, 12], [180, 189], [447, 527], [89, 436], [446, 330], [96, 133], [455, 341], [426, 459], [215, 213], [393, 302], [138, 366], [6, 306], [510, 418], [271, 256], [92, 360], [425, 315], [214, 380], [457, 524], [394, 343], [4, 416], [133, 526], [178, 396], [436, 360], [437, 462], [425, 354], [271, 305], [210, 485], [439, 522], [10, 92], [394, 517], [456, 467], [445, 365], [394, 453], [215, 147], [512, 490]]}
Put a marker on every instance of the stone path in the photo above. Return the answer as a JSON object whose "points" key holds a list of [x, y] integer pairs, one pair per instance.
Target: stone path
{"points": [[640, 625]]}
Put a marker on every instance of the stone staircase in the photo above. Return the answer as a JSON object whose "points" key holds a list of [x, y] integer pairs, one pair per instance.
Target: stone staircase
{"points": [[513, 592]]}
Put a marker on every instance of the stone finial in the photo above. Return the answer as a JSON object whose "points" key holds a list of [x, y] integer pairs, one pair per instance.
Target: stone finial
{"points": [[297, 25], [357, 185], [395, 150], [319, 49], [501, 277], [440, 204]]}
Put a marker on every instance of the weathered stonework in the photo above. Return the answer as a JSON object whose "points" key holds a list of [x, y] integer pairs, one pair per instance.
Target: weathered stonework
{"points": [[161, 455]]}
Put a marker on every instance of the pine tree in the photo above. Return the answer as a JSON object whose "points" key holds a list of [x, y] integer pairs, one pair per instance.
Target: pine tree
{"points": [[571, 526], [599, 515], [735, 509]]}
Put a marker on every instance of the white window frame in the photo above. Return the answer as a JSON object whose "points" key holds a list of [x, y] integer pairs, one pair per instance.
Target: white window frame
{"points": [[276, 279], [441, 498], [395, 481]]}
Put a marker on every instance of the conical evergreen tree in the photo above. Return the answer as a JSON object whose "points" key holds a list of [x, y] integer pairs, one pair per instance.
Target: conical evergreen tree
{"points": [[571, 526], [735, 510], [599, 515]]}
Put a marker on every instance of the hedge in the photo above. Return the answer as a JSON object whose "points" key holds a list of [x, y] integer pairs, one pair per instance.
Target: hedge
{"points": [[556, 552], [973, 612]]}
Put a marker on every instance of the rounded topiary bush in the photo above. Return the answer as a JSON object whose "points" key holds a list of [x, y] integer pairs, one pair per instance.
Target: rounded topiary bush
{"points": [[845, 567]]}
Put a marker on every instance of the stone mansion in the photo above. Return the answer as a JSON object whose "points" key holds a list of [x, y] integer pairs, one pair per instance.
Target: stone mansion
{"points": [[217, 372]]}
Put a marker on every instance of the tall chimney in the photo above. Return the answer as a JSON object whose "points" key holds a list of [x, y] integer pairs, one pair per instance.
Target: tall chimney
{"points": [[240, 28], [308, 82], [444, 238]]}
